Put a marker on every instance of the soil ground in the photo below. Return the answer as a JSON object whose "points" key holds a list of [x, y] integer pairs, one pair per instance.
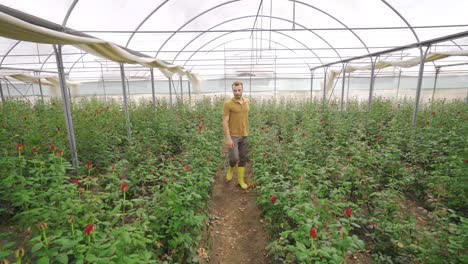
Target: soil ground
{"points": [[236, 230]]}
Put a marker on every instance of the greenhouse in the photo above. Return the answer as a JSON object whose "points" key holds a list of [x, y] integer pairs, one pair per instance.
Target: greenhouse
{"points": [[233, 131]]}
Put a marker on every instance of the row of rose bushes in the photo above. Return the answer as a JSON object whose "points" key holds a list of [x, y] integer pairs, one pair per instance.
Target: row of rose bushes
{"points": [[337, 185], [132, 200]]}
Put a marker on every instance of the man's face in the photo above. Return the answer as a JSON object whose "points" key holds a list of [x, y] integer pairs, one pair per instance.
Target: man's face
{"points": [[237, 91]]}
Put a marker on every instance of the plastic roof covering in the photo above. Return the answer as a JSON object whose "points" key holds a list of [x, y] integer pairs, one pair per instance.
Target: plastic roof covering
{"points": [[231, 38]]}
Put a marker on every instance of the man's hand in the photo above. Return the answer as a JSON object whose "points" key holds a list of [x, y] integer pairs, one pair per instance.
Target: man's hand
{"points": [[229, 143]]}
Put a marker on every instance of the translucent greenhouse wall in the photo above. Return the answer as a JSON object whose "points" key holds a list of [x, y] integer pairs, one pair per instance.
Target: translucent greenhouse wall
{"points": [[356, 88]]}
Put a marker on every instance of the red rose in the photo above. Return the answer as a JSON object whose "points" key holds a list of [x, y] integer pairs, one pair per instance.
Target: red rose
{"points": [[348, 212], [313, 233], [89, 229], [53, 147], [124, 187], [273, 199]]}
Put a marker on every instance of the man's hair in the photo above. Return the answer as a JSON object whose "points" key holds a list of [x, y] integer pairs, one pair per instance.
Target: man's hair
{"points": [[237, 83]]}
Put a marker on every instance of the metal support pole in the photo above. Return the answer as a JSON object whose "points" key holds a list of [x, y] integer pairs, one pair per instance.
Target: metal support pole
{"points": [[311, 84], [275, 81], [347, 92], [8, 88], [103, 84], [250, 83], [189, 92], [371, 89], [181, 89], [66, 105], [343, 85], [152, 87], [418, 87], [398, 85], [324, 85], [40, 90], [125, 100], [1, 92], [435, 83], [170, 91], [225, 80]]}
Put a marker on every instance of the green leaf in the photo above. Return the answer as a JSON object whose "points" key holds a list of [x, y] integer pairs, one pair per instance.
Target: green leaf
{"points": [[43, 260], [62, 258], [36, 247]]}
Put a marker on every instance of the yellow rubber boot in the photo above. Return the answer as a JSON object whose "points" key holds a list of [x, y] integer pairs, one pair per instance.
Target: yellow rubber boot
{"points": [[229, 174], [240, 177]]}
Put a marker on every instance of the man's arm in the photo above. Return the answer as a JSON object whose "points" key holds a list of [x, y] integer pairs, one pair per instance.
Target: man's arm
{"points": [[227, 134]]}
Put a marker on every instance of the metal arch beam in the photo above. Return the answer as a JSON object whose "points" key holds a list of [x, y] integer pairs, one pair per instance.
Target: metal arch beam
{"points": [[421, 64], [70, 10], [73, 65], [6, 54], [237, 32], [190, 21], [144, 21], [337, 20], [249, 38], [243, 17], [256, 17]]}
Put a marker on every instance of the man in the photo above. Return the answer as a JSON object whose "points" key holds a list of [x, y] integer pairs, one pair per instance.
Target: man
{"points": [[236, 131]]}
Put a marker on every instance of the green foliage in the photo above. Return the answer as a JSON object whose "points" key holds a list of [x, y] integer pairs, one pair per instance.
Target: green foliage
{"points": [[317, 160]]}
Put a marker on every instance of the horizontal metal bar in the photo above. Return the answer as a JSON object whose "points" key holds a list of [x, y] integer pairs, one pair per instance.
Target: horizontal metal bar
{"points": [[26, 69], [410, 46], [267, 29]]}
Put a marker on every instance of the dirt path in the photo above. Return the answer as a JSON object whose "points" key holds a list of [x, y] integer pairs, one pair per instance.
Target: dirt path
{"points": [[236, 232]]}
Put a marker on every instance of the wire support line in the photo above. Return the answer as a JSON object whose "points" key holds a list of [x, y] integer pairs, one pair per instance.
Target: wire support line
{"points": [[268, 30]]}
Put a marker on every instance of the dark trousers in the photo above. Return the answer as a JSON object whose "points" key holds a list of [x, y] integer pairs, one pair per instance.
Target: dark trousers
{"points": [[238, 154]]}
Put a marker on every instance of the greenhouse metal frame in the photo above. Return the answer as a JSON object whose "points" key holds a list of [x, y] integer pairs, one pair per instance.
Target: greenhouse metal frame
{"points": [[257, 43]]}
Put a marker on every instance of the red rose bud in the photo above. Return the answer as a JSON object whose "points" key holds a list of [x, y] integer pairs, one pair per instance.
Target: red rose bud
{"points": [[35, 150], [19, 147], [297, 129], [303, 134], [42, 226], [19, 253], [313, 233], [187, 168], [200, 128], [59, 153], [71, 219], [262, 128], [53, 147], [427, 123], [124, 187], [89, 165], [74, 182], [113, 168], [89, 229], [348, 212], [273, 199], [208, 158], [170, 158]]}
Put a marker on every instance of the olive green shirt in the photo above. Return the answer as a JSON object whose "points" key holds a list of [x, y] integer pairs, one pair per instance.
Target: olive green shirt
{"points": [[238, 117]]}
